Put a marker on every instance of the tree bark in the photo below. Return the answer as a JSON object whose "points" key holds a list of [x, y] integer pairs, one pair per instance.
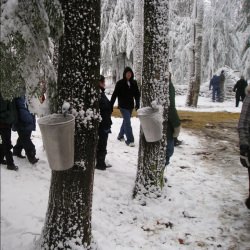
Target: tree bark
{"points": [[68, 218], [138, 47], [151, 157], [195, 56]]}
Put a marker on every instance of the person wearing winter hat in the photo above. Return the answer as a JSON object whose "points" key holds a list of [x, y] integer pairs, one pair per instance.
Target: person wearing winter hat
{"points": [[104, 126], [128, 94], [244, 137]]}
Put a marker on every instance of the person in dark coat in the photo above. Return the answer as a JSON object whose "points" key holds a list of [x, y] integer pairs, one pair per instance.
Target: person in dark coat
{"points": [[127, 92], [24, 126], [215, 85], [173, 125], [7, 118], [104, 126], [239, 88], [244, 137]]}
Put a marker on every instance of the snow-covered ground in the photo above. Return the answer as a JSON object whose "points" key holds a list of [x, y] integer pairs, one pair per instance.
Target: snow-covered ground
{"points": [[202, 206]]}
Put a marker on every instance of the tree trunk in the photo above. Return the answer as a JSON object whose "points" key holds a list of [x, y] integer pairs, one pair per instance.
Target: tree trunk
{"points": [[195, 57], [138, 47], [151, 158], [68, 218]]}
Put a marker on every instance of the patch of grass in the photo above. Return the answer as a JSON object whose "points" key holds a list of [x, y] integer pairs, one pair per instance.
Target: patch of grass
{"points": [[199, 120]]}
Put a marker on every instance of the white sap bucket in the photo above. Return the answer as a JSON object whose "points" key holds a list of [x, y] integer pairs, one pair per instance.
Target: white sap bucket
{"points": [[58, 139], [151, 123]]}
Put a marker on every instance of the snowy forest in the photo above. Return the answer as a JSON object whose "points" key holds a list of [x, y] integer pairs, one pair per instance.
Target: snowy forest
{"points": [[65, 61], [225, 37]]}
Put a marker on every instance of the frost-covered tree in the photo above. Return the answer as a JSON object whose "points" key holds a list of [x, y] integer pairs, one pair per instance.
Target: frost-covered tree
{"points": [[195, 54], [138, 44], [151, 156], [27, 28], [244, 28], [180, 35], [68, 218], [117, 36]]}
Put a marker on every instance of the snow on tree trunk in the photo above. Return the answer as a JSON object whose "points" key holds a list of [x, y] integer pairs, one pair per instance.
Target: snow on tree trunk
{"points": [[68, 218], [151, 156], [138, 45], [195, 55]]}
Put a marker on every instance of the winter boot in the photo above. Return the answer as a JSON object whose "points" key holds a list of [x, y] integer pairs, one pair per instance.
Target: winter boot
{"points": [[100, 167], [32, 158], [12, 167], [177, 142]]}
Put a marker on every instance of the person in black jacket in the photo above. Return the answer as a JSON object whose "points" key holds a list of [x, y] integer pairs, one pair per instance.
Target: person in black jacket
{"points": [[104, 126], [127, 92], [24, 126], [239, 88], [7, 118]]}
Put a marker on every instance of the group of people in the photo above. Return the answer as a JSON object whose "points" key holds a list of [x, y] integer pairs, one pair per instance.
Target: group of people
{"points": [[217, 85], [127, 92], [218, 92], [15, 115], [128, 95]]}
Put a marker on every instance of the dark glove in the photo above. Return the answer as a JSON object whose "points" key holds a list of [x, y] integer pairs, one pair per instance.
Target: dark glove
{"points": [[245, 156]]}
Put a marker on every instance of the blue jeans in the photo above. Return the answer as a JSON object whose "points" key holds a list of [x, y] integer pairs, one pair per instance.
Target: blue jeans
{"points": [[170, 150], [126, 125], [216, 94]]}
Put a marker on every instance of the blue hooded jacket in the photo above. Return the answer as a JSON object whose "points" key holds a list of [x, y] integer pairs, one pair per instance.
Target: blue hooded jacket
{"points": [[26, 121]]}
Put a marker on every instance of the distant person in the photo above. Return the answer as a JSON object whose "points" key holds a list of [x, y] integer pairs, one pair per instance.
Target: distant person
{"points": [[127, 92], [24, 126], [222, 86], [244, 137], [239, 88], [104, 126], [7, 118], [173, 126], [215, 85]]}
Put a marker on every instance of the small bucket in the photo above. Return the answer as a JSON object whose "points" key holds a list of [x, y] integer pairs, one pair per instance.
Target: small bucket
{"points": [[151, 123], [58, 139]]}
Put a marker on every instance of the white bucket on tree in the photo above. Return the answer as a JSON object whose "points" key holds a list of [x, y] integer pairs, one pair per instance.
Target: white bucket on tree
{"points": [[151, 122], [58, 139]]}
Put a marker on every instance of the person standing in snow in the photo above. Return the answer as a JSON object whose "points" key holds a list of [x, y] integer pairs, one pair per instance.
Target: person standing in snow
{"points": [[24, 126], [104, 126], [239, 88], [127, 92], [7, 118], [244, 137], [174, 124], [215, 85], [222, 86]]}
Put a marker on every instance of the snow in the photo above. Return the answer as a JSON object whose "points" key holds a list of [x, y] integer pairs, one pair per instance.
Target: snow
{"points": [[202, 205]]}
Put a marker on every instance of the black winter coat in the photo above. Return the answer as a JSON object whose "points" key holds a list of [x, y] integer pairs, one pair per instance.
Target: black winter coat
{"points": [[106, 111], [126, 95], [240, 87]]}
